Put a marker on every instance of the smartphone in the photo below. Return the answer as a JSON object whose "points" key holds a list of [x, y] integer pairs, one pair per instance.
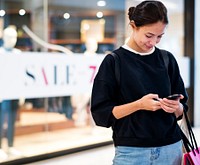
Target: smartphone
{"points": [[174, 96]]}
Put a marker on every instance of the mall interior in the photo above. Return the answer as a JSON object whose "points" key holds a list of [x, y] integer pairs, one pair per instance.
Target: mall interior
{"points": [[55, 50]]}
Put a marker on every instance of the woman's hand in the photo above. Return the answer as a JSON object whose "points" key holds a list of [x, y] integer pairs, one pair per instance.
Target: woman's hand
{"points": [[172, 106], [150, 102]]}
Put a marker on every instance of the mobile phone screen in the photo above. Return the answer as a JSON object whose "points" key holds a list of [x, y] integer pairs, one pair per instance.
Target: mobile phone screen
{"points": [[173, 97]]}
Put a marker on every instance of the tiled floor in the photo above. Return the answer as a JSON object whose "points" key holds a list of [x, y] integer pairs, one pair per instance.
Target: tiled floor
{"points": [[98, 156]]}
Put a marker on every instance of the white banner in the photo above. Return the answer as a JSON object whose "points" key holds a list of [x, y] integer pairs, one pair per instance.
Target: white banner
{"points": [[34, 75]]}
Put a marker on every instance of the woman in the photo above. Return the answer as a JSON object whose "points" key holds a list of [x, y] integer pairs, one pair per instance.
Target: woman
{"points": [[143, 120]]}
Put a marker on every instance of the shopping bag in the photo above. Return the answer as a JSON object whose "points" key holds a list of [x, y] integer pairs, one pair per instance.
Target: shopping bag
{"points": [[192, 154], [192, 158]]}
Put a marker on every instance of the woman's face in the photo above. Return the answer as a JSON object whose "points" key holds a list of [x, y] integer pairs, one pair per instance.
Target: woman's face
{"points": [[144, 38]]}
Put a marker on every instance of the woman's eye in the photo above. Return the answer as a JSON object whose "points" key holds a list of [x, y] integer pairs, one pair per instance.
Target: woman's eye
{"points": [[148, 36]]}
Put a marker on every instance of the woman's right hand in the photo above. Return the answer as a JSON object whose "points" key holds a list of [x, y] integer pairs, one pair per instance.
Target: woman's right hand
{"points": [[150, 102]]}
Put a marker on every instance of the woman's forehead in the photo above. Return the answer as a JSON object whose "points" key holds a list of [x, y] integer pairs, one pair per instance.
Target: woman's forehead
{"points": [[156, 28]]}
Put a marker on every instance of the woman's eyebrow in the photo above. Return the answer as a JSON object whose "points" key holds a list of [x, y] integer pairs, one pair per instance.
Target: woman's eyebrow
{"points": [[154, 34]]}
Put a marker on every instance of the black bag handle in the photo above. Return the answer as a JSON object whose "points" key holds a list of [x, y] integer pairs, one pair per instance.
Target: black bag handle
{"points": [[191, 143], [117, 67]]}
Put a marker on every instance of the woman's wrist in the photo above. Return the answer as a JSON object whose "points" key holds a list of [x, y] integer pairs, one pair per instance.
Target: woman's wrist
{"points": [[179, 111]]}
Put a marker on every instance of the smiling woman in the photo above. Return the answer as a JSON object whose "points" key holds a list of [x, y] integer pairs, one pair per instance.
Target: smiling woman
{"points": [[46, 122], [145, 82], [148, 36]]}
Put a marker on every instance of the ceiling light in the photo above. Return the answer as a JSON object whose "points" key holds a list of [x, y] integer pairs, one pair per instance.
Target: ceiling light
{"points": [[66, 15], [101, 3], [22, 12], [2, 13], [99, 14]]}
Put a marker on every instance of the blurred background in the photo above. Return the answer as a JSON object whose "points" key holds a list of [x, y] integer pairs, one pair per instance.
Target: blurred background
{"points": [[50, 51]]}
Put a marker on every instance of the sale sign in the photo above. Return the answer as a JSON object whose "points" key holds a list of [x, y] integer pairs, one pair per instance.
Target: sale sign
{"points": [[41, 74]]}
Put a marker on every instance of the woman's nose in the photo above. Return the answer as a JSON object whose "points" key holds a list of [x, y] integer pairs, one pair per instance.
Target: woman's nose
{"points": [[154, 41]]}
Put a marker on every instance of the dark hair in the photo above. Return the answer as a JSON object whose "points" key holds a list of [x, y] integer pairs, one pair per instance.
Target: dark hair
{"points": [[148, 12]]}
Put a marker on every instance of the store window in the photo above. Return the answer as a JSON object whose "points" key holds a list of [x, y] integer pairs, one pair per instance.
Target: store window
{"points": [[57, 118]]}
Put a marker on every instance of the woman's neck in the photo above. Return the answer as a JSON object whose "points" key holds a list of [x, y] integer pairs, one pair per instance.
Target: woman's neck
{"points": [[126, 46]]}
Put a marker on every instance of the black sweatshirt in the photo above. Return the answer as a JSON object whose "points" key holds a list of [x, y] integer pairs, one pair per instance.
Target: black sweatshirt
{"points": [[139, 76]]}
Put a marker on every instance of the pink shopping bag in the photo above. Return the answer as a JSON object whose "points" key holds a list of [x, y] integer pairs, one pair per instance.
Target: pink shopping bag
{"points": [[192, 158]]}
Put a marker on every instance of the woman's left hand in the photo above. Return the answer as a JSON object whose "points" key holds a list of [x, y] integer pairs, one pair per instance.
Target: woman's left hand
{"points": [[172, 106]]}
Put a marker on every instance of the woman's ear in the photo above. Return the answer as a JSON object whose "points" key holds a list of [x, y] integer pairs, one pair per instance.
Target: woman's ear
{"points": [[132, 23]]}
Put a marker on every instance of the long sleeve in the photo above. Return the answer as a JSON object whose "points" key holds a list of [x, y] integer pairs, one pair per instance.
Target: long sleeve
{"points": [[104, 94], [177, 84]]}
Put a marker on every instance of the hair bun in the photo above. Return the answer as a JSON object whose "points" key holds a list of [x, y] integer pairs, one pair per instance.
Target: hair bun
{"points": [[130, 13]]}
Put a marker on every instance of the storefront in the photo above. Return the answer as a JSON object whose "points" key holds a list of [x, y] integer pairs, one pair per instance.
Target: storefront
{"points": [[62, 44]]}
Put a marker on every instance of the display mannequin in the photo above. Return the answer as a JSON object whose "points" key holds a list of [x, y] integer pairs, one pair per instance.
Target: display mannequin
{"points": [[81, 101], [9, 40], [8, 108], [91, 47]]}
